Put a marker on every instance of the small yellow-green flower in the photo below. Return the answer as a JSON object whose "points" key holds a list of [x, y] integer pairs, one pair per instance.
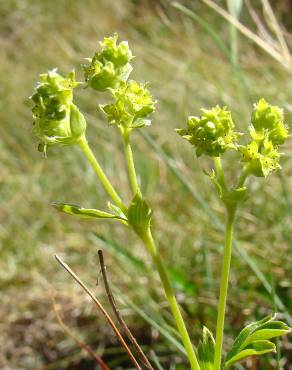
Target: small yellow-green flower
{"points": [[133, 104], [262, 158], [212, 133], [110, 65], [56, 118]]}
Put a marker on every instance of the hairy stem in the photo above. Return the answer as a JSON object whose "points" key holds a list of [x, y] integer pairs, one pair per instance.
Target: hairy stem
{"points": [[224, 286], [150, 244], [130, 162], [101, 175]]}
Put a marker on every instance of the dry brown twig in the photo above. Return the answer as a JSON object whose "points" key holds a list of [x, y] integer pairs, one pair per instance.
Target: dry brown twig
{"points": [[102, 310], [78, 342], [120, 319]]}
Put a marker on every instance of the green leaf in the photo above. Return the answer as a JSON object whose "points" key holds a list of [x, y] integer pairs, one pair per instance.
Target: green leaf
{"points": [[268, 331], [164, 331], [251, 337], [116, 210], [206, 350], [139, 214], [75, 210], [256, 348], [120, 251]]}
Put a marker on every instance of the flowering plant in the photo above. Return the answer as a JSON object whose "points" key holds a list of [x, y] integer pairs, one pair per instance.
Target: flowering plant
{"points": [[57, 120]]}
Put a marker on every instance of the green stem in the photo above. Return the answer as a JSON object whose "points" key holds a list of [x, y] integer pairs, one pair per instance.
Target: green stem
{"points": [[219, 171], [151, 247], [150, 244], [224, 286], [244, 174], [101, 175], [130, 162]]}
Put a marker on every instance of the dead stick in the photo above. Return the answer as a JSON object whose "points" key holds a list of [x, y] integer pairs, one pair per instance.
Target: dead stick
{"points": [[78, 342], [103, 311], [112, 301]]}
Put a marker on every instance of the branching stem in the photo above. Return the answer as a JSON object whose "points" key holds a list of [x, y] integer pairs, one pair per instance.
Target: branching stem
{"points": [[147, 239]]}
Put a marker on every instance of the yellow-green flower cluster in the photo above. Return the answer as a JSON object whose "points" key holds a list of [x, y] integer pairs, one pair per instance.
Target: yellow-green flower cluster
{"points": [[56, 118], [109, 69], [133, 104], [268, 123], [212, 133], [267, 132], [109, 66]]}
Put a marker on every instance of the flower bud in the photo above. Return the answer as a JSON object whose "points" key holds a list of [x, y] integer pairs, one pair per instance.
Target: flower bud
{"points": [[268, 119], [56, 118], [109, 66], [133, 104], [212, 133]]}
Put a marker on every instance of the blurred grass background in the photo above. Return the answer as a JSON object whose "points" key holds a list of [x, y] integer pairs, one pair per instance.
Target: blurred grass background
{"points": [[187, 70]]}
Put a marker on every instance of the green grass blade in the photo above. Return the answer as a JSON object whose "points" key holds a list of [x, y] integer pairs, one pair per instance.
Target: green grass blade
{"points": [[119, 251], [156, 360], [165, 333], [206, 27], [254, 267], [178, 277], [229, 54]]}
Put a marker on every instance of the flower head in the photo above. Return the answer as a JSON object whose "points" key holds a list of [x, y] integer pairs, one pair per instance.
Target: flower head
{"points": [[268, 120], [267, 132], [133, 104], [110, 65], [212, 133], [56, 118]]}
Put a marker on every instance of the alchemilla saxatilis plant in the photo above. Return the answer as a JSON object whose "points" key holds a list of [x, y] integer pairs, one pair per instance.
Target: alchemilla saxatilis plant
{"points": [[58, 121]]}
